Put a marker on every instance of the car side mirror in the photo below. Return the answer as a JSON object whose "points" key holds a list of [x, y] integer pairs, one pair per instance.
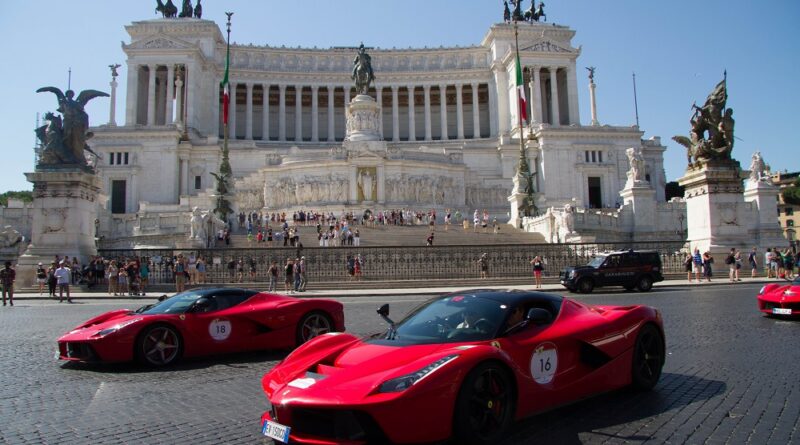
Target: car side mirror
{"points": [[539, 316], [383, 311]]}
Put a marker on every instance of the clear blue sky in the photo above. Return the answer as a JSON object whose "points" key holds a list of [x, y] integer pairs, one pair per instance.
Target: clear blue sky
{"points": [[678, 50]]}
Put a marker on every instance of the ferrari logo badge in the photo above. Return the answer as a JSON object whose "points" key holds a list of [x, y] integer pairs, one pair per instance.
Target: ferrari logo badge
{"points": [[496, 344]]}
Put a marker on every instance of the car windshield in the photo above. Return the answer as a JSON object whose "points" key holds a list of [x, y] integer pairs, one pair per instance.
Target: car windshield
{"points": [[177, 304], [597, 261], [454, 318]]}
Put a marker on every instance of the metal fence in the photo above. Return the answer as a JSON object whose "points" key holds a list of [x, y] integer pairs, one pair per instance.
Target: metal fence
{"points": [[326, 264]]}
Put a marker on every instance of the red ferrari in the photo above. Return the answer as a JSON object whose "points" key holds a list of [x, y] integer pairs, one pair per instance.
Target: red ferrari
{"points": [[780, 299], [463, 365], [201, 322]]}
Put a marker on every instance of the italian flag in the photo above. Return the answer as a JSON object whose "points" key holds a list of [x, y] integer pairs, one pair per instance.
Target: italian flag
{"points": [[226, 87], [523, 107]]}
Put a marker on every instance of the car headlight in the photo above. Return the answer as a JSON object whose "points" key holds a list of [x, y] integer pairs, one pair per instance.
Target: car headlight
{"points": [[572, 274], [762, 290], [788, 292], [404, 382]]}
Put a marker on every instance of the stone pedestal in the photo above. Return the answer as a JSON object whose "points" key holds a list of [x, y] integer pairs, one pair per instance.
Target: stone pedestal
{"points": [[363, 119], [642, 201], [516, 200], [64, 212], [717, 217], [764, 197]]}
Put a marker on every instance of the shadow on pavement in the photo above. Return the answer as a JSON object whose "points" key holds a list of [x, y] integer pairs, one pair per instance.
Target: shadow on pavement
{"points": [[235, 360]]}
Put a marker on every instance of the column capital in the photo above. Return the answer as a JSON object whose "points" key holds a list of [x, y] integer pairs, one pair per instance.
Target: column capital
{"points": [[331, 88], [315, 88], [248, 85], [474, 85], [426, 87], [282, 86], [411, 87], [459, 86], [394, 88], [553, 69], [442, 86]]}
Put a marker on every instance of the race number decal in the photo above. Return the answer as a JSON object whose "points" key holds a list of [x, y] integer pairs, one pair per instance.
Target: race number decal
{"points": [[219, 329], [544, 363]]}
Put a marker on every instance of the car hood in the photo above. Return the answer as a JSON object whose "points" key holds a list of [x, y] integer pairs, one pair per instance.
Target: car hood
{"points": [[781, 293], [577, 268], [116, 320], [342, 367]]}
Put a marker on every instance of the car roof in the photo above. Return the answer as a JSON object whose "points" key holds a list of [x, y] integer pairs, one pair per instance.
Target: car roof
{"points": [[511, 297]]}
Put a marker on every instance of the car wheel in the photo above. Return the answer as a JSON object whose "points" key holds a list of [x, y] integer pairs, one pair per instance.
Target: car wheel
{"points": [[313, 324], [484, 407], [159, 345], [585, 286], [648, 358], [645, 284]]}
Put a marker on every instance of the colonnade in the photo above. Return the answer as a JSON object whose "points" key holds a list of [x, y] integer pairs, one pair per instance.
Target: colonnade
{"points": [[156, 96], [550, 102], [397, 102]]}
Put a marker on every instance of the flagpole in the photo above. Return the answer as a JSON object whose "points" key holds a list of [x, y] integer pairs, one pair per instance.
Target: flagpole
{"points": [[523, 169], [225, 167]]}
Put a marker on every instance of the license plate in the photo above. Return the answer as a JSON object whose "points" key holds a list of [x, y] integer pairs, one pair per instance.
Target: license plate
{"points": [[781, 311], [276, 431]]}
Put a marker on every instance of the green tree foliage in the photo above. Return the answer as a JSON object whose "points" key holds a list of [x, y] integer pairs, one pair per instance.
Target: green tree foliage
{"points": [[24, 195], [791, 195]]}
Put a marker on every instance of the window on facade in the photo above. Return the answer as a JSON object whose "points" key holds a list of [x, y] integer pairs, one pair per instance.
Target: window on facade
{"points": [[586, 153], [647, 177], [594, 156], [125, 158], [789, 211], [119, 158], [198, 182], [790, 223], [600, 157]]}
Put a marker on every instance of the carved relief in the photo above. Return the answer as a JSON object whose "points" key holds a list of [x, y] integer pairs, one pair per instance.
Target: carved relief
{"points": [[291, 191], [54, 220]]}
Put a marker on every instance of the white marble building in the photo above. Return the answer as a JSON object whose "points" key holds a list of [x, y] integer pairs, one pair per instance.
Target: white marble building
{"points": [[447, 120]]}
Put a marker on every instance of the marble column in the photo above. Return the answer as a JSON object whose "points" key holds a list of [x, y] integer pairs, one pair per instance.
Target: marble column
{"points": [[248, 131], [536, 92], [151, 96], [331, 126], [428, 133], [443, 112], [282, 113], [395, 115], [476, 113], [265, 112], [346, 99], [572, 95], [501, 108], [379, 96], [554, 96], [459, 111], [232, 111], [112, 118], [298, 113], [412, 120], [592, 103], [314, 114], [184, 175], [131, 104], [170, 93]]}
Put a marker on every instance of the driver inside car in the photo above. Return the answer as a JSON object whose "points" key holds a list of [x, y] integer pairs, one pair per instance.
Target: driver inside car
{"points": [[516, 317], [470, 317]]}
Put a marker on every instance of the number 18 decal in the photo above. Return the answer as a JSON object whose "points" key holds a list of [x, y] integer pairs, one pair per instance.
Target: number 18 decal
{"points": [[219, 329], [544, 363]]}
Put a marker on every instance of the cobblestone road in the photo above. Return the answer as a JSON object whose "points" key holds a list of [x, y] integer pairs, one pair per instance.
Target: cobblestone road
{"points": [[731, 377]]}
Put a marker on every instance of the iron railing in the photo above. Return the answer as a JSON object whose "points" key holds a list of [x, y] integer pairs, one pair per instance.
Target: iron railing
{"points": [[392, 263]]}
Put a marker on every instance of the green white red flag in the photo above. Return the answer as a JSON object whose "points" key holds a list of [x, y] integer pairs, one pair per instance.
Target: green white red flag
{"points": [[226, 94], [523, 114]]}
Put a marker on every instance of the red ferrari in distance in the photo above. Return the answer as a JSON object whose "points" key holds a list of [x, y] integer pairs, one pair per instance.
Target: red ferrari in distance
{"points": [[780, 299], [463, 365], [201, 322]]}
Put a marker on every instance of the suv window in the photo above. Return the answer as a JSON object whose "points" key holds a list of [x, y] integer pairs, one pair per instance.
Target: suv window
{"points": [[631, 259], [612, 262]]}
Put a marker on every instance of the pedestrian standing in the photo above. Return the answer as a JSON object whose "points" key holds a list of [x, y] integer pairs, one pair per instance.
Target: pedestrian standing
{"points": [[113, 276], [63, 277], [303, 275], [708, 260], [483, 263], [738, 261], [180, 274], [538, 267], [688, 261], [429, 240], [7, 277], [351, 266], [201, 271], [288, 273], [788, 264], [52, 282], [356, 238], [273, 276], [144, 275], [297, 277], [697, 264], [730, 260], [753, 260], [41, 277]]}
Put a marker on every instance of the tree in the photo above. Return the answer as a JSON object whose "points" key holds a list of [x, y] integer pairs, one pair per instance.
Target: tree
{"points": [[791, 194], [25, 196], [673, 190]]}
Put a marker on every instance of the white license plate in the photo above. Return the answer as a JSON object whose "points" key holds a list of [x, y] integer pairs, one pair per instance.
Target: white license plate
{"points": [[781, 311], [276, 431]]}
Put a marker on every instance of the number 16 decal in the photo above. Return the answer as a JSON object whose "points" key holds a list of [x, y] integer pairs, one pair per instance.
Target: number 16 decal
{"points": [[544, 363]]}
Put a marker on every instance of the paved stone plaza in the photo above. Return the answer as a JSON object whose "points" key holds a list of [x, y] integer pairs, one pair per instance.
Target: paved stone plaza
{"points": [[730, 377]]}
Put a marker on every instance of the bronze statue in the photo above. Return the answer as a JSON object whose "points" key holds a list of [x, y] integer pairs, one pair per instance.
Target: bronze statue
{"points": [[535, 14], [186, 11], [711, 134], [114, 67], [506, 12], [591, 70], [517, 14], [64, 141], [198, 10], [167, 11], [362, 71]]}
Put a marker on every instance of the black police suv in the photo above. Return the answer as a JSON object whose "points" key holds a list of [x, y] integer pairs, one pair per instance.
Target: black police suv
{"points": [[630, 269]]}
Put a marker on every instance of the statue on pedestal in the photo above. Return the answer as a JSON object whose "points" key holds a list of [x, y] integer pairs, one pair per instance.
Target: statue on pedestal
{"points": [[758, 168], [64, 140], [636, 174], [362, 71], [711, 135]]}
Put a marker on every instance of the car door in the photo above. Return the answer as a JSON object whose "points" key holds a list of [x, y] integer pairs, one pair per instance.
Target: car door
{"points": [[609, 271], [546, 360], [218, 328]]}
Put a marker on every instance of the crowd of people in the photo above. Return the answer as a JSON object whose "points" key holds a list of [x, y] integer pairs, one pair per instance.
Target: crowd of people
{"points": [[776, 263]]}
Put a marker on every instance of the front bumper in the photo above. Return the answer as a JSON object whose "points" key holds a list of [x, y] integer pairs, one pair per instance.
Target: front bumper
{"points": [[782, 308]]}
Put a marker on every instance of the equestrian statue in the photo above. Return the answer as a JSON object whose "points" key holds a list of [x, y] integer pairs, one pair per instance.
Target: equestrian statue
{"points": [[362, 71]]}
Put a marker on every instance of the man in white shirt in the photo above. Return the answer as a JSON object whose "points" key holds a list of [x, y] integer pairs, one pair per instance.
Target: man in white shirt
{"points": [[63, 275]]}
